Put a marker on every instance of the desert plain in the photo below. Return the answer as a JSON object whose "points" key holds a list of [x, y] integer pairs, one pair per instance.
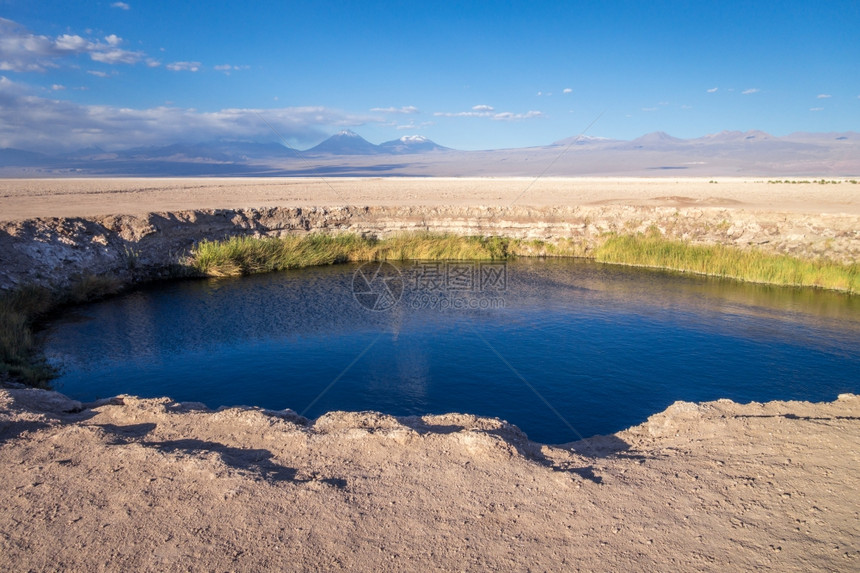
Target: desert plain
{"points": [[155, 485], [29, 198]]}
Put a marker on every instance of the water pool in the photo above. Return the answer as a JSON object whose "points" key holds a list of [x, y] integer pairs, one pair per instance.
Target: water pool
{"points": [[561, 348]]}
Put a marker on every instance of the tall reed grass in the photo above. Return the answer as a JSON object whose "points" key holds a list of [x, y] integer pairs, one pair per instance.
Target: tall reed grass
{"points": [[248, 255], [18, 353], [20, 356], [751, 265]]}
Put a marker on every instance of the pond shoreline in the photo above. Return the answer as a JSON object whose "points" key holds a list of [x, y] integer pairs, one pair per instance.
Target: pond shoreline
{"points": [[80, 258], [47, 263]]}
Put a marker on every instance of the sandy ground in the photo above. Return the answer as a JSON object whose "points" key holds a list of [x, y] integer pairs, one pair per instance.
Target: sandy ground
{"points": [[28, 198], [151, 485]]}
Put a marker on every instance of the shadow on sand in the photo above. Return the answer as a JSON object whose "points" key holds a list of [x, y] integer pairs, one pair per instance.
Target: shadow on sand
{"points": [[256, 461]]}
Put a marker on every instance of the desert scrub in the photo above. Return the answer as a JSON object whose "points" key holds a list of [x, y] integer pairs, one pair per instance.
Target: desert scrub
{"points": [[250, 255], [20, 357], [752, 265]]}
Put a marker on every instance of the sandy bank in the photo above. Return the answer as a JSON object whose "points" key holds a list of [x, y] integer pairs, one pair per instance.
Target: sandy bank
{"points": [[158, 486]]}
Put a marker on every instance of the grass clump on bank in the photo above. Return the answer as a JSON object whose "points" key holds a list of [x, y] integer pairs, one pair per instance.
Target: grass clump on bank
{"points": [[749, 265], [248, 255], [18, 352], [20, 358]]}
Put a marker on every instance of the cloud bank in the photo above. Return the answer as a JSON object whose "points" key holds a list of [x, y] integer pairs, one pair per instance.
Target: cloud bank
{"points": [[36, 123]]}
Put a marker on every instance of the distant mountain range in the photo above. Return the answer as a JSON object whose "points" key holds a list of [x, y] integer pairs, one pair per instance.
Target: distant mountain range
{"points": [[350, 143], [750, 153]]}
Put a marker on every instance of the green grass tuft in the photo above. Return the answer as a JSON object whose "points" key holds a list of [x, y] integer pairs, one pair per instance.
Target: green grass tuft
{"points": [[749, 265], [20, 357], [249, 255]]}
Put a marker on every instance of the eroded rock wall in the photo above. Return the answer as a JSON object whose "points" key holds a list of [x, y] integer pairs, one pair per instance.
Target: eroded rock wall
{"points": [[54, 251]]}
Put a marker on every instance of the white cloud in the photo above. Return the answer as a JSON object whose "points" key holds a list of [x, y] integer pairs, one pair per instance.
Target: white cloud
{"points": [[750, 91], [413, 125], [58, 87], [23, 51], [406, 109], [823, 96], [184, 66], [463, 114], [31, 122], [227, 68], [117, 56], [490, 112], [98, 73], [712, 90], [71, 43], [508, 116], [567, 91], [477, 111], [649, 109], [121, 5], [816, 109]]}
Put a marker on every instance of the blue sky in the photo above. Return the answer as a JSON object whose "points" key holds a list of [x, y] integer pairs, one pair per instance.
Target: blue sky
{"points": [[469, 75]]}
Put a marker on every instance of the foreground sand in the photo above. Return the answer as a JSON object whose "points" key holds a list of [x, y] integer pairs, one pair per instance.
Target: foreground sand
{"points": [[152, 485], [28, 198]]}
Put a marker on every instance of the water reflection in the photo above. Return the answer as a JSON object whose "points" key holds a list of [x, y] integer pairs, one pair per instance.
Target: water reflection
{"points": [[607, 346]]}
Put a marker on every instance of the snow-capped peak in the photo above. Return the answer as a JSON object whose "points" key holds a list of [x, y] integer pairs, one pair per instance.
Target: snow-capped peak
{"points": [[414, 139]]}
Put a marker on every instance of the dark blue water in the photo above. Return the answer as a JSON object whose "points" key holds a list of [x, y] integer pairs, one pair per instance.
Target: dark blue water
{"points": [[560, 348]]}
